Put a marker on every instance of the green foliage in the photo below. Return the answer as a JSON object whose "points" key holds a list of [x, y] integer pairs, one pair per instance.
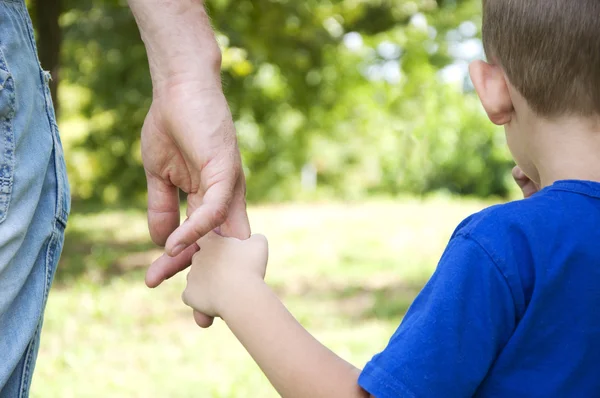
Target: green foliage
{"points": [[347, 88]]}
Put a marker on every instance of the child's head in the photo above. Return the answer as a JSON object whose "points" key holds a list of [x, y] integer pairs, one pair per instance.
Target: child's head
{"points": [[544, 63]]}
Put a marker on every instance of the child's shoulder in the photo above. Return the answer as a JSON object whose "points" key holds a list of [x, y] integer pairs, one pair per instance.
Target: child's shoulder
{"points": [[510, 218], [564, 206], [522, 228], [530, 240]]}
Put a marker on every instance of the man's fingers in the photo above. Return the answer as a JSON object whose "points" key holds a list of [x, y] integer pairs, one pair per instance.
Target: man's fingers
{"points": [[165, 267], [237, 224], [209, 215], [163, 209]]}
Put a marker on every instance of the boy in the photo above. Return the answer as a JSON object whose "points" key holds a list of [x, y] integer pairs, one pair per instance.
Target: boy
{"points": [[513, 309]]}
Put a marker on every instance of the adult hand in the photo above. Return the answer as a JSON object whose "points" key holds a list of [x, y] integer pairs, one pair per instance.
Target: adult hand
{"points": [[188, 138], [189, 143]]}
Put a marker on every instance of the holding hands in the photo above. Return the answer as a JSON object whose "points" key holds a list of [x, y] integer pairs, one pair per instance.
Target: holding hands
{"points": [[222, 269], [188, 139]]}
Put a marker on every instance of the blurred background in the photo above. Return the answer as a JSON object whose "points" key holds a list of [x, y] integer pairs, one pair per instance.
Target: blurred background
{"points": [[363, 143]]}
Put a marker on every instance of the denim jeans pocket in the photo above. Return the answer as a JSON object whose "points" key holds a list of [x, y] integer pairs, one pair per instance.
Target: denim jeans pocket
{"points": [[7, 137]]}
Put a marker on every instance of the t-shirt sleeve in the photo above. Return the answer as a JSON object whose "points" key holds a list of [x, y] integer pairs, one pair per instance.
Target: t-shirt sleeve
{"points": [[452, 332]]}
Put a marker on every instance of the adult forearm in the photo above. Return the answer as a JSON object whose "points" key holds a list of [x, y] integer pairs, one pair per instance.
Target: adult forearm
{"points": [[294, 361], [179, 40]]}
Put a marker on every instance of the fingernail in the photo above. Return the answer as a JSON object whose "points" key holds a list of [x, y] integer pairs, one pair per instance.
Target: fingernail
{"points": [[177, 249]]}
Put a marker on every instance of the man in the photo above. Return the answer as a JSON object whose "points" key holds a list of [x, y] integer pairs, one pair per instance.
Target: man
{"points": [[188, 143]]}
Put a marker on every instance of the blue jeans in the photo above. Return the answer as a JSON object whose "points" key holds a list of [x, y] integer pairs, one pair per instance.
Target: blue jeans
{"points": [[34, 198]]}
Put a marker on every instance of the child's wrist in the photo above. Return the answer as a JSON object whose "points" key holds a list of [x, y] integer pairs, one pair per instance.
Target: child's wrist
{"points": [[239, 294]]}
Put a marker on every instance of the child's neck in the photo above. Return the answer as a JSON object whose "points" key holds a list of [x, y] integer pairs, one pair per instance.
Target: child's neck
{"points": [[565, 149]]}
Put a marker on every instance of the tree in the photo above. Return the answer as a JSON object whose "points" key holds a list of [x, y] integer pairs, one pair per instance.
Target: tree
{"points": [[46, 15], [350, 88]]}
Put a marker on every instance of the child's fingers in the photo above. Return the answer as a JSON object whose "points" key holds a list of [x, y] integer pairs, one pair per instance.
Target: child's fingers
{"points": [[209, 238], [259, 240], [202, 320]]}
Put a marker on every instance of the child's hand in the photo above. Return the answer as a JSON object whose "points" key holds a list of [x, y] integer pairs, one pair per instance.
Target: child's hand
{"points": [[527, 186], [221, 267]]}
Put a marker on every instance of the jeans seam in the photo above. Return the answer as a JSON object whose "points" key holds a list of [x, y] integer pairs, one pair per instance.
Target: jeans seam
{"points": [[23, 391], [25, 375], [7, 165], [60, 211], [7, 135], [29, 27]]}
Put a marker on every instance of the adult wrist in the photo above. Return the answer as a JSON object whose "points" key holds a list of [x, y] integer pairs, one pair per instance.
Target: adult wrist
{"points": [[179, 41]]}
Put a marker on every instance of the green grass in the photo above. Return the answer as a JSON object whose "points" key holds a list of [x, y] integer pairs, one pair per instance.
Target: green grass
{"points": [[347, 271]]}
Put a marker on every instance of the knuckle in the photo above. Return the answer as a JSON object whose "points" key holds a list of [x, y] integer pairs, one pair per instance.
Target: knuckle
{"points": [[219, 215], [261, 240], [198, 226]]}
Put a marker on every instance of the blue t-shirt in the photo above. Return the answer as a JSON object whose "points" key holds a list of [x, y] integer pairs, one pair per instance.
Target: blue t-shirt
{"points": [[513, 309]]}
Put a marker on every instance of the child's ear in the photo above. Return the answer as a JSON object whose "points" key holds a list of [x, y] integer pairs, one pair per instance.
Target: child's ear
{"points": [[490, 83]]}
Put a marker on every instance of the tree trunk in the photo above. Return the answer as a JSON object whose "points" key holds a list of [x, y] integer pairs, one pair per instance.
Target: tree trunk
{"points": [[49, 37]]}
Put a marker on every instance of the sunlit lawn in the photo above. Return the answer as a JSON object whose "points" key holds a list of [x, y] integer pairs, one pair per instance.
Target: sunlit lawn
{"points": [[347, 271]]}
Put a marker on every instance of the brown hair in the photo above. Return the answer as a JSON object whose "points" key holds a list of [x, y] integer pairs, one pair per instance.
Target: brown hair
{"points": [[549, 50]]}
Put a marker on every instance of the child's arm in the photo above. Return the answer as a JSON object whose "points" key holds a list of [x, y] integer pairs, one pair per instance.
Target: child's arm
{"points": [[294, 361], [226, 280]]}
